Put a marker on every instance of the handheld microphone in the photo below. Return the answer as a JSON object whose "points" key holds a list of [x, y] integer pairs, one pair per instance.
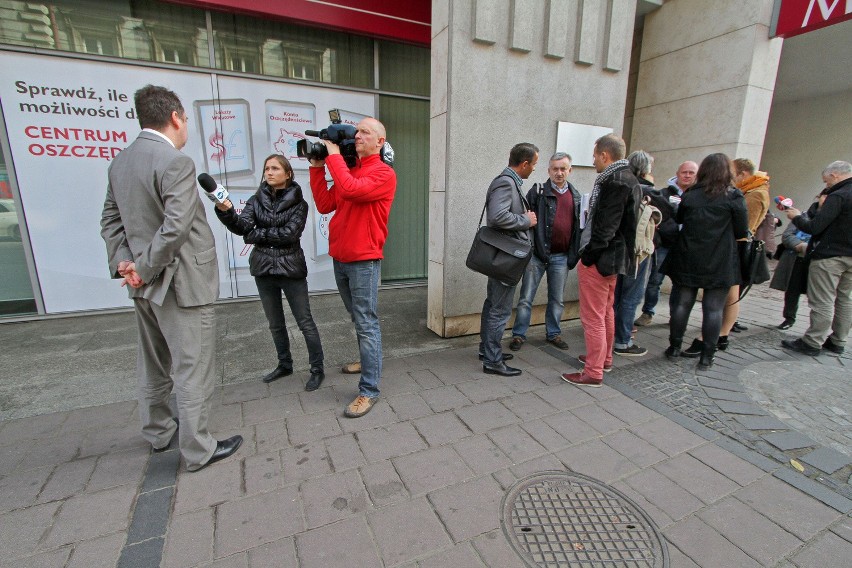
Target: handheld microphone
{"points": [[215, 192], [783, 203]]}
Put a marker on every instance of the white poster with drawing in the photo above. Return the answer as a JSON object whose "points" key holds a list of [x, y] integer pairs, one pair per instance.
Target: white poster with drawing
{"points": [[225, 136], [286, 123]]}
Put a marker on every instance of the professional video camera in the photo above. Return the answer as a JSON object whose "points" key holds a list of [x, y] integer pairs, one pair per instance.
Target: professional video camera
{"points": [[341, 134]]}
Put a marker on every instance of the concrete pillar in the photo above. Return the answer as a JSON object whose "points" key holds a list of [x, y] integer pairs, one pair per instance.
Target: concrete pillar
{"points": [[705, 82], [503, 72]]}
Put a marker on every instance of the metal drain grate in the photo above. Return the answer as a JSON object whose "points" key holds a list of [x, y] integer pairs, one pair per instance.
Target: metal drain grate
{"points": [[556, 518]]}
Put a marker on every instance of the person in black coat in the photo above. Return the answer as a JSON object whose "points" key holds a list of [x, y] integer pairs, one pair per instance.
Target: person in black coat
{"points": [[273, 220], [712, 215]]}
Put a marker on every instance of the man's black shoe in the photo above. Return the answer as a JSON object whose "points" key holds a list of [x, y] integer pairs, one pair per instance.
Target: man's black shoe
{"points": [[315, 381], [224, 449], [506, 356], [277, 373], [800, 346], [503, 370], [169, 445], [738, 328], [837, 350], [786, 324]]}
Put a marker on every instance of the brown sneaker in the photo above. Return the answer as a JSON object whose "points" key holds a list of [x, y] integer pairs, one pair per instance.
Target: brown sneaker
{"points": [[558, 342], [516, 343], [581, 379], [360, 406], [644, 319], [352, 368], [606, 368]]}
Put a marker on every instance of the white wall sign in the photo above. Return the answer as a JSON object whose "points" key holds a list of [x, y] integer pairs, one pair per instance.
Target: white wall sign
{"points": [[578, 140]]}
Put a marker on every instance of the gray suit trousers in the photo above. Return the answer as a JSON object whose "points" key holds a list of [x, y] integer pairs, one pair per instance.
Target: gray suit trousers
{"points": [[176, 348]]}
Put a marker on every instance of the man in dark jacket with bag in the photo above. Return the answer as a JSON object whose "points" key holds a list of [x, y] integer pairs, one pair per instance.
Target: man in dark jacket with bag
{"points": [[830, 271], [606, 250], [507, 211], [556, 237]]}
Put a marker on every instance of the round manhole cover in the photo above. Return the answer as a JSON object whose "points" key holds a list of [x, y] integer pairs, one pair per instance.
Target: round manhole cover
{"points": [[562, 519]]}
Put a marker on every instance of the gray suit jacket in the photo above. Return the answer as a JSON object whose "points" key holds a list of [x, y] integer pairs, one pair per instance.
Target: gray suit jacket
{"points": [[505, 206], [154, 216]]}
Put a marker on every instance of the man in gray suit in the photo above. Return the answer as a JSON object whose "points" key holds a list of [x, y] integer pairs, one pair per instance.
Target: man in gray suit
{"points": [[158, 241]]}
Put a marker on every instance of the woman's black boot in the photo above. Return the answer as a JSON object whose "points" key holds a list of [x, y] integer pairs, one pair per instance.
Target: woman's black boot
{"points": [[722, 344], [693, 350], [674, 347], [708, 355]]}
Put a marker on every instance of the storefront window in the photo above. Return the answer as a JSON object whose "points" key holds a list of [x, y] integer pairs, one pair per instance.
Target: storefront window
{"points": [[404, 68], [16, 292], [280, 49], [135, 29]]}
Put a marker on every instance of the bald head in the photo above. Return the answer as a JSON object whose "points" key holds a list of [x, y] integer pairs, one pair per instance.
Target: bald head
{"points": [[686, 175], [370, 137]]}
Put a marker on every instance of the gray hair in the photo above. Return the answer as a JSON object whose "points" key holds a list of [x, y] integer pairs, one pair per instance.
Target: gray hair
{"points": [[561, 156], [839, 167], [640, 162]]}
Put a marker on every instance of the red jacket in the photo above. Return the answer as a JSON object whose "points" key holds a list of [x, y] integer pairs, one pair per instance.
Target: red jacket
{"points": [[361, 198]]}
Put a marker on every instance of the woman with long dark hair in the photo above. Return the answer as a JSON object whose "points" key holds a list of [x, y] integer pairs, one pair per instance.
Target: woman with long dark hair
{"points": [[712, 215], [273, 220]]}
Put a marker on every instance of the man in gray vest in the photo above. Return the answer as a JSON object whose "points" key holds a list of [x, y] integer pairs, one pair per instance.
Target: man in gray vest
{"points": [[159, 243]]}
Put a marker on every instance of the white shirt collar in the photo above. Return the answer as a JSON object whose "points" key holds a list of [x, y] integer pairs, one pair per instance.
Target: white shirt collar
{"points": [[161, 135]]}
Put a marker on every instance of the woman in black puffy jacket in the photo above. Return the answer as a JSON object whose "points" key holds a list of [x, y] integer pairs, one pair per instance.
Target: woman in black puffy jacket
{"points": [[273, 220]]}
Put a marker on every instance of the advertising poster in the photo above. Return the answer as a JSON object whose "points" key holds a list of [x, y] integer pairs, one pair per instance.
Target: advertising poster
{"points": [[286, 123], [67, 119]]}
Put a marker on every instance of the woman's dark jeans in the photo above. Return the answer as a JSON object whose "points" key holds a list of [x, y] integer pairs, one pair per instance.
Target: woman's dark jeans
{"points": [[296, 291], [712, 306]]}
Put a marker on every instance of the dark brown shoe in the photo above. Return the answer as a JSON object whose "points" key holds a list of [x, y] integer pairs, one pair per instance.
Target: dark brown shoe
{"points": [[558, 342]]}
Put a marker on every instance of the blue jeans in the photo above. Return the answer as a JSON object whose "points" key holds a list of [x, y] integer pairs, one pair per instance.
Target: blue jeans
{"points": [[628, 294], [296, 290], [495, 314], [652, 291], [358, 284], [557, 272]]}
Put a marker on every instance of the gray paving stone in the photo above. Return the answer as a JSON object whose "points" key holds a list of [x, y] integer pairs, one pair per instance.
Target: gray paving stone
{"points": [[843, 528], [483, 390], [32, 428], [505, 478], [570, 427], [486, 416], [797, 512], [827, 551], [732, 396], [50, 452], [409, 406], [460, 556], [445, 398], [346, 543], [161, 470], [267, 409], [234, 561], [105, 512], [226, 417], [271, 436], [660, 518], [305, 461], [701, 542], [311, 427], [679, 559], [398, 383], [516, 443], [761, 422], [747, 408], [426, 379], [67, 479], [431, 469], [194, 489], [729, 465], [52, 559], [253, 521], [545, 435], [23, 529], [815, 490], [721, 384], [390, 441], [21, 488], [150, 515], [746, 454], [789, 440], [699, 479], [241, 392], [102, 552], [281, 554], [190, 539], [383, 483], [496, 552], [470, 508], [668, 437], [333, 497], [665, 494], [142, 555], [628, 410], [565, 397], [481, 454], [756, 535], [262, 473], [344, 452], [406, 531], [440, 429], [547, 462], [826, 459], [634, 448], [596, 459], [528, 406]]}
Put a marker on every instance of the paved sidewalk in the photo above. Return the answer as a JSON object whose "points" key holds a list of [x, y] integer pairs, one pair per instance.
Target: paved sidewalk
{"points": [[420, 480]]}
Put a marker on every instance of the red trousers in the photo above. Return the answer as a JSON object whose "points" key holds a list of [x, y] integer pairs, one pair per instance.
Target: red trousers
{"points": [[597, 294]]}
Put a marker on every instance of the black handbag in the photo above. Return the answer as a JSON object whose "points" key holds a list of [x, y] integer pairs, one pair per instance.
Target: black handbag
{"points": [[754, 268], [503, 255]]}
